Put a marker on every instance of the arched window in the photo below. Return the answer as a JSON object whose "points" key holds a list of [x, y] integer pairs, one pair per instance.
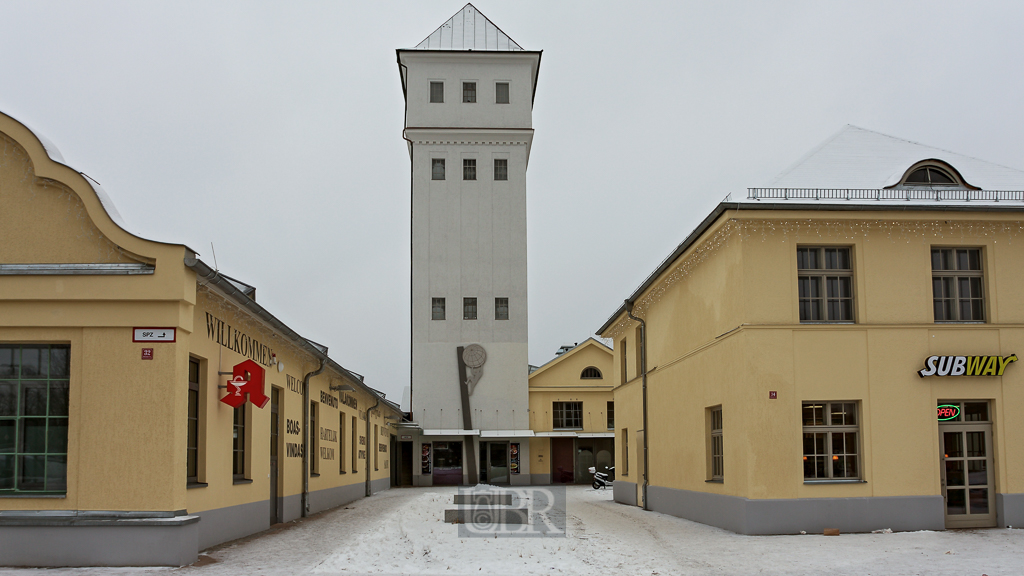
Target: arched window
{"points": [[933, 173], [591, 373]]}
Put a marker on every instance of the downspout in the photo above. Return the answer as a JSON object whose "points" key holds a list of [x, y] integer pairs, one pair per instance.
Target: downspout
{"points": [[306, 436], [642, 349], [369, 491], [412, 181]]}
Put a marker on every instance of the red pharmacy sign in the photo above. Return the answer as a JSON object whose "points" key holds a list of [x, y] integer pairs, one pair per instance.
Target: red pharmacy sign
{"points": [[247, 381]]}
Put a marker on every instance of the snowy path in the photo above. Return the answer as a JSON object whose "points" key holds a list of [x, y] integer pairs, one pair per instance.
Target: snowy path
{"points": [[400, 532]]}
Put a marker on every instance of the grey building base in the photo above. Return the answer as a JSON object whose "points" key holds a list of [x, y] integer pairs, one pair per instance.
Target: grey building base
{"points": [[540, 479], [1010, 510], [624, 492], [790, 516], [233, 522], [520, 479], [71, 538], [326, 499], [379, 485]]}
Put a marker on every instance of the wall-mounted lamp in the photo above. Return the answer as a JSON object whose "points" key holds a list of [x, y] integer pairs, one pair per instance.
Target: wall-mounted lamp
{"points": [[342, 387]]}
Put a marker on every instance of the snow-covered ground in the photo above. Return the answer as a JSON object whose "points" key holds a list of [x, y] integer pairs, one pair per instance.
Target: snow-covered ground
{"points": [[400, 532]]}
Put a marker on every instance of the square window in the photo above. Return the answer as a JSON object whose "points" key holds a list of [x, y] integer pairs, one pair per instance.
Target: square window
{"points": [[437, 169], [469, 308], [501, 308], [469, 169], [469, 92], [437, 92], [567, 415], [831, 447], [437, 308], [500, 169], [501, 93]]}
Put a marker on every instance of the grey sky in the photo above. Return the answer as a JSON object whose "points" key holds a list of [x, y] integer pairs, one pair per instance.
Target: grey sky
{"points": [[273, 130]]}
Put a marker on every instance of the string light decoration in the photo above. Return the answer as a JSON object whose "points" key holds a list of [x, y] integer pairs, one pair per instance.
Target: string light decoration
{"points": [[814, 229]]}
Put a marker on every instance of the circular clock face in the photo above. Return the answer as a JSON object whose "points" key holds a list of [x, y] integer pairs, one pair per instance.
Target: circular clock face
{"points": [[474, 356]]}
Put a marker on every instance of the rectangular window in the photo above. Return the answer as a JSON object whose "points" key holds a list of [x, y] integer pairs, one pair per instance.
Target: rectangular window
{"points": [[622, 361], [469, 169], [825, 281], [501, 169], [715, 457], [501, 308], [355, 443], [376, 450], [501, 93], [567, 415], [192, 446], [341, 442], [831, 444], [469, 308], [956, 285], [437, 308], [314, 439], [639, 349], [625, 452], [437, 168], [611, 415], [469, 92], [238, 443], [437, 92], [34, 418]]}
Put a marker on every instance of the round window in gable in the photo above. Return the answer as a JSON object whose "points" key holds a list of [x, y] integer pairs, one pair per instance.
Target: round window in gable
{"points": [[591, 373]]}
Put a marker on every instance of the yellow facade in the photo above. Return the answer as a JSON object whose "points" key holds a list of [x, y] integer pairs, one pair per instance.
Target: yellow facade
{"points": [[581, 375], [70, 275], [723, 330]]}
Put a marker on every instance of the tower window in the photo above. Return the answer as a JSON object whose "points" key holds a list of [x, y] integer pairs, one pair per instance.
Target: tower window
{"points": [[437, 92], [501, 93], [500, 169], [437, 308], [469, 92], [469, 169], [501, 308], [437, 169], [469, 308]]}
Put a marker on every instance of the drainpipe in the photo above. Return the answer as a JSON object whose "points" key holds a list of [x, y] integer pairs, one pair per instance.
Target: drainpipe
{"points": [[306, 437], [642, 348], [369, 492], [412, 182]]}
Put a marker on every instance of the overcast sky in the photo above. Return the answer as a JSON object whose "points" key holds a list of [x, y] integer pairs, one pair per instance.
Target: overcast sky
{"points": [[273, 131]]}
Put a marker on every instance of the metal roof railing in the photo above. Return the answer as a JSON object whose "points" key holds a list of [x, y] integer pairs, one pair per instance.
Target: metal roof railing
{"points": [[934, 194]]}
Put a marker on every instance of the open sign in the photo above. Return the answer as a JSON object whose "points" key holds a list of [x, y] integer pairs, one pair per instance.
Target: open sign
{"points": [[948, 411]]}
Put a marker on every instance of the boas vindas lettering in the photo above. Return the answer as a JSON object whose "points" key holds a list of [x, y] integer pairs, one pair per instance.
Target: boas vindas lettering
{"points": [[294, 450], [292, 427]]}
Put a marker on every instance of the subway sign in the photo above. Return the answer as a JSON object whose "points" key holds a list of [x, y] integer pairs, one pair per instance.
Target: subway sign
{"points": [[966, 365]]}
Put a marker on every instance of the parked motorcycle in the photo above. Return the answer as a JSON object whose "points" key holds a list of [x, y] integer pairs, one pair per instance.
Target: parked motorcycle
{"points": [[602, 479]]}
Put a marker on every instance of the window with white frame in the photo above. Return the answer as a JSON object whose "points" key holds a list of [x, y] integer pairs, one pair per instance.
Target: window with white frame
{"points": [[469, 308], [825, 284], [501, 169], [437, 308], [957, 285], [437, 169], [831, 441], [469, 92], [469, 169]]}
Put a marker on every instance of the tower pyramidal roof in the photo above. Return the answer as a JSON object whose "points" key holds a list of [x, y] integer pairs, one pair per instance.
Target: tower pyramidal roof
{"points": [[469, 29]]}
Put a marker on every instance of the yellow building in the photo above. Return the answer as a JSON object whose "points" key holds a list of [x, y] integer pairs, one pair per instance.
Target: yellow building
{"points": [[118, 445], [572, 415], [835, 351]]}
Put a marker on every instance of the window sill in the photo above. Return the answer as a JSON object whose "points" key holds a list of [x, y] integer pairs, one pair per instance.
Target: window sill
{"points": [[242, 481], [715, 481], [960, 322], [342, 472], [192, 485], [840, 481], [58, 496], [567, 429], [314, 475], [825, 322]]}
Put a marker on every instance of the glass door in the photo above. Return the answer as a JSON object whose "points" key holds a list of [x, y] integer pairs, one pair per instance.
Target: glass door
{"points": [[497, 462], [968, 485]]}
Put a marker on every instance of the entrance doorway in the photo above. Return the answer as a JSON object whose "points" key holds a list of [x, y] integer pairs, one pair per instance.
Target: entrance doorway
{"points": [[494, 462], [447, 463], [275, 430], [563, 461], [968, 485], [405, 464]]}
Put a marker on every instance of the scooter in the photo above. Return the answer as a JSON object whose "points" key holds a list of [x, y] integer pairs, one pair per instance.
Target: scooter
{"points": [[602, 479]]}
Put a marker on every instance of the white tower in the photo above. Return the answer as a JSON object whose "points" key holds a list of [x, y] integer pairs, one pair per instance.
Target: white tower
{"points": [[469, 92]]}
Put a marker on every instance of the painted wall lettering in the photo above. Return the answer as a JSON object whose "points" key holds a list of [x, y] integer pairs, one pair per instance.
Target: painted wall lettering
{"points": [[327, 399], [239, 342], [294, 450], [382, 447], [350, 401], [326, 453], [328, 435], [294, 384], [292, 427], [362, 440], [966, 365], [362, 454]]}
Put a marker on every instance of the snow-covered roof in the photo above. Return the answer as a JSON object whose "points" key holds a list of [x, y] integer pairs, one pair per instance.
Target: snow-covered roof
{"points": [[855, 158], [468, 29]]}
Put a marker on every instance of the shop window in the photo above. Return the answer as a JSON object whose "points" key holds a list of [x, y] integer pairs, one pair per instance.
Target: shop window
{"points": [[436, 92], [192, 448], [469, 308], [437, 168], [501, 93], [238, 440], [831, 441], [611, 415], [825, 284], [469, 92], [567, 415], [957, 285], [591, 373], [33, 418], [469, 169], [716, 459], [314, 438], [341, 442], [501, 169], [501, 308]]}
